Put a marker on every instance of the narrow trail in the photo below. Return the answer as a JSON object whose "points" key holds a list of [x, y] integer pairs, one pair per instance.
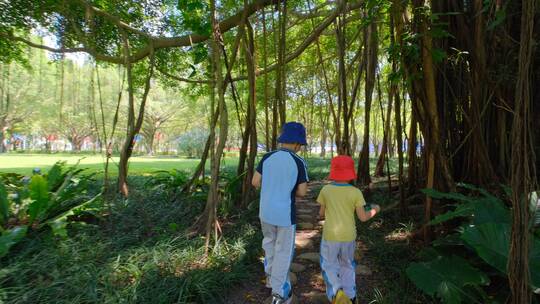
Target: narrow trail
{"points": [[306, 277]]}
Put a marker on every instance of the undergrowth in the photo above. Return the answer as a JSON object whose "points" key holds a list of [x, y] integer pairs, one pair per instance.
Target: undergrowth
{"points": [[138, 254], [391, 252]]}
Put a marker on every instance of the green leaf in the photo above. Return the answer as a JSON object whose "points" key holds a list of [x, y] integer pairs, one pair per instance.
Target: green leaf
{"points": [[59, 223], [534, 263], [444, 195], [55, 176], [462, 210], [490, 241], [535, 207], [40, 197], [484, 209], [500, 16], [4, 204], [490, 211], [11, 237], [447, 278]]}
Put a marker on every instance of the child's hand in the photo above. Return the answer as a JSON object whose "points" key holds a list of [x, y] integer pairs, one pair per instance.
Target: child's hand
{"points": [[376, 207]]}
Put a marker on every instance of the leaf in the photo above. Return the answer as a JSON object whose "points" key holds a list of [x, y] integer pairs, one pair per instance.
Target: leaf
{"points": [[485, 209], [447, 278], [500, 16], [535, 207], [462, 210], [534, 263], [490, 211], [11, 237], [4, 204], [444, 195], [58, 224], [491, 242], [40, 197], [55, 176]]}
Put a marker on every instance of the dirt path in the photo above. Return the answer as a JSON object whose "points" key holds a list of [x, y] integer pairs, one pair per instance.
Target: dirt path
{"points": [[308, 284]]}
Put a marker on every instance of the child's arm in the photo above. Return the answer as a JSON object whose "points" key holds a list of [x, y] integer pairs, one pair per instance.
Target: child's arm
{"points": [[364, 215], [256, 180], [301, 190]]}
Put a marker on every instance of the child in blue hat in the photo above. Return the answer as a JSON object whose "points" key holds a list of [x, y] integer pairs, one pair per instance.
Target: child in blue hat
{"points": [[282, 176]]}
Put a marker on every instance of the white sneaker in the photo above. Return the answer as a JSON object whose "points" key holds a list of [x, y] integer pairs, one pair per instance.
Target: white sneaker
{"points": [[277, 299]]}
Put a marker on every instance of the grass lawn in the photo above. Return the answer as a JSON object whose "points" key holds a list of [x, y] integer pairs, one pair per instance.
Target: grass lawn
{"points": [[139, 165], [143, 165]]}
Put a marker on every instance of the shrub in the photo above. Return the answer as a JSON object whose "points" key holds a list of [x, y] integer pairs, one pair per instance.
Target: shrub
{"points": [[32, 203], [192, 142], [461, 264]]}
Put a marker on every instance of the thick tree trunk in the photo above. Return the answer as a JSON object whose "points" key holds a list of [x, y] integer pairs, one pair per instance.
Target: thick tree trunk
{"points": [[478, 165], [370, 53], [523, 163], [344, 146], [394, 89]]}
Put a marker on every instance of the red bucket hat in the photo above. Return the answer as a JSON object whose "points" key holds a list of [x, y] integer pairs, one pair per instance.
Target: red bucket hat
{"points": [[342, 168]]}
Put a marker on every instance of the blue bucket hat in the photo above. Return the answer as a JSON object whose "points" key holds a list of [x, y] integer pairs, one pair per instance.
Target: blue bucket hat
{"points": [[293, 133]]}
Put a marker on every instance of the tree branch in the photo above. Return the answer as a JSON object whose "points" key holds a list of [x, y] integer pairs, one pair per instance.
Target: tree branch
{"points": [[182, 79], [157, 42], [307, 42]]}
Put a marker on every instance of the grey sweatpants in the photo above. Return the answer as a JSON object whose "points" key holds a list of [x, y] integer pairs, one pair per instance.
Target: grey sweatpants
{"points": [[338, 267], [278, 245]]}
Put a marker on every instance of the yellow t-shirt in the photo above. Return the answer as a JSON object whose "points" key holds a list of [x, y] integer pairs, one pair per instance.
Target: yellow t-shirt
{"points": [[340, 201]]}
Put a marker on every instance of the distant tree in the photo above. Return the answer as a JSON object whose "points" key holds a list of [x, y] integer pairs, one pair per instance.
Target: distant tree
{"points": [[192, 142]]}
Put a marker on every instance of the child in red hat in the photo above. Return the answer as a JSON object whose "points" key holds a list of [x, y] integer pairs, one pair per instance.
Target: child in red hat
{"points": [[339, 202]]}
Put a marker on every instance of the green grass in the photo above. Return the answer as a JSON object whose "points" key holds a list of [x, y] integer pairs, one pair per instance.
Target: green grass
{"points": [[24, 163], [139, 254], [142, 165]]}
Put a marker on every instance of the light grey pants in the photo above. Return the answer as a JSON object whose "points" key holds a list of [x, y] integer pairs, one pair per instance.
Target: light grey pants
{"points": [[338, 267], [278, 245]]}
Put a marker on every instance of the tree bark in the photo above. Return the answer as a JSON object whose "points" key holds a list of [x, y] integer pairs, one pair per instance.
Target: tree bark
{"points": [[523, 178], [370, 53], [379, 168], [266, 101], [344, 146], [247, 188], [133, 126]]}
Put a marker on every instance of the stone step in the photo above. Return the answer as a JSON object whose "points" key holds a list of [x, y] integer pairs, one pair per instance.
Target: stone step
{"points": [[310, 256], [316, 297], [305, 217], [305, 226], [303, 243], [297, 267], [363, 270]]}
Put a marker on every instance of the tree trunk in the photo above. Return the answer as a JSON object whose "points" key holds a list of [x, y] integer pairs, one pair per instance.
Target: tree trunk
{"points": [[394, 89], [266, 101], [280, 71], [344, 147], [247, 188], [133, 126], [213, 194], [370, 53], [379, 168], [523, 163]]}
